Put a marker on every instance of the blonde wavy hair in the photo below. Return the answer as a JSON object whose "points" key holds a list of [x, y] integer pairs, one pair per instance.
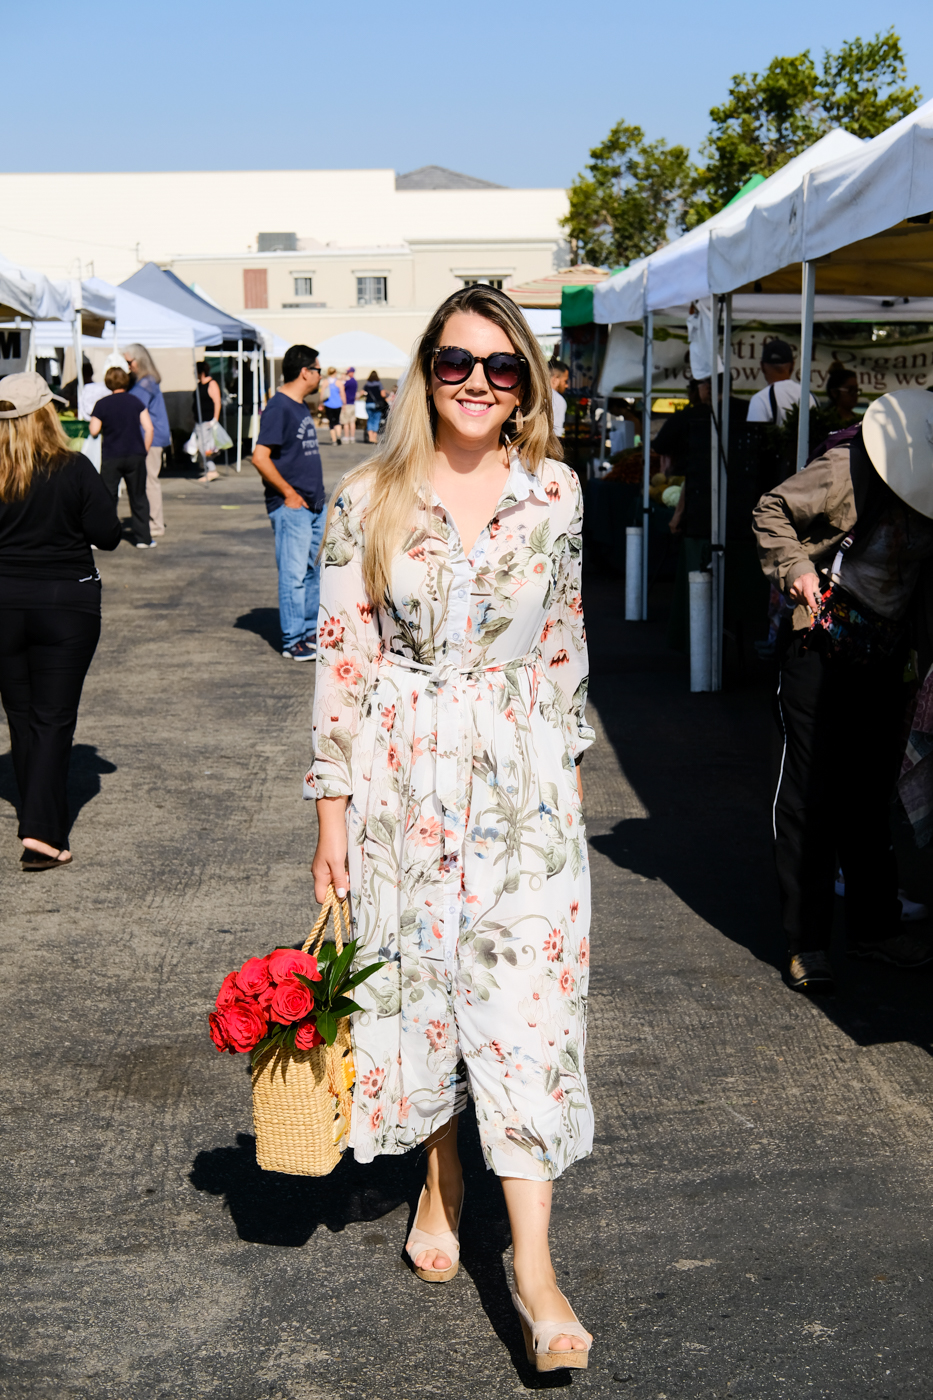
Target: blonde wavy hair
{"points": [[29, 444], [398, 477]]}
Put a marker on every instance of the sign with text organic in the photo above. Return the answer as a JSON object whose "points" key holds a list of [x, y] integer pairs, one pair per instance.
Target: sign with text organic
{"points": [[881, 365]]}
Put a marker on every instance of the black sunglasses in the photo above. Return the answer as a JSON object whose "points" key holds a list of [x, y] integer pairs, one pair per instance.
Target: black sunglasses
{"points": [[503, 370]]}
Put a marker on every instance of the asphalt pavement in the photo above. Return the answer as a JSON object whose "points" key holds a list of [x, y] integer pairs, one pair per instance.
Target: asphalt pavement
{"points": [[755, 1218]]}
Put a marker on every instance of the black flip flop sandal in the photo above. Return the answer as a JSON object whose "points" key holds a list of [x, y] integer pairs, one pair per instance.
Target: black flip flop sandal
{"points": [[38, 860]]}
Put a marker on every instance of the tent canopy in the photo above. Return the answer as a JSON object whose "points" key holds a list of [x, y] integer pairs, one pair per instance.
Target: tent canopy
{"points": [[155, 284], [359, 348], [853, 217], [677, 274], [139, 320], [26, 292]]}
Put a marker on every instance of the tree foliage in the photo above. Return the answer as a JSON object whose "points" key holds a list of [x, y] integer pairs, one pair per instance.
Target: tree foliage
{"points": [[632, 194], [635, 195]]}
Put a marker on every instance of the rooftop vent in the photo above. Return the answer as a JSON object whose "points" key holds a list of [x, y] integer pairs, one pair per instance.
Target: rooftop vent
{"points": [[277, 243]]}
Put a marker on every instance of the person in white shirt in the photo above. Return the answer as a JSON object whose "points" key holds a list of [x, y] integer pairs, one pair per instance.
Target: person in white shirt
{"points": [[560, 378], [770, 405]]}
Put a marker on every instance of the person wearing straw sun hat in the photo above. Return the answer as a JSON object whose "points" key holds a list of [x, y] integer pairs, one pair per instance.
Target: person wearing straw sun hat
{"points": [[53, 508], [849, 541]]}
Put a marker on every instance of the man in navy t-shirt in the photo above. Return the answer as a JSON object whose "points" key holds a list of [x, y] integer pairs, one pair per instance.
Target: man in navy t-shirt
{"points": [[288, 459]]}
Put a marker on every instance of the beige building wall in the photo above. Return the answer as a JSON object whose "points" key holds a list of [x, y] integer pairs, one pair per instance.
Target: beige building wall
{"points": [[419, 275], [112, 222]]}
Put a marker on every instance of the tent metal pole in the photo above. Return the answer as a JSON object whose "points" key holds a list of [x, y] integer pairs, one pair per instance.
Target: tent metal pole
{"points": [[238, 405], [648, 352], [197, 402], [79, 358], [254, 418], [724, 417], [716, 547], [806, 361]]}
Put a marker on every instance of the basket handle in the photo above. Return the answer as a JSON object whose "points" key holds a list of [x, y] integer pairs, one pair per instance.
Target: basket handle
{"points": [[332, 907]]}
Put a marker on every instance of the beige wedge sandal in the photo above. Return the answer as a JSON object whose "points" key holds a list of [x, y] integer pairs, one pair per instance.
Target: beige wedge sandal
{"points": [[538, 1336], [445, 1242]]}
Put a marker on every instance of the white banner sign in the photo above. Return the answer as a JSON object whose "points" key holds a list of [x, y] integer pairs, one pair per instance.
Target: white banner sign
{"points": [[881, 365]]}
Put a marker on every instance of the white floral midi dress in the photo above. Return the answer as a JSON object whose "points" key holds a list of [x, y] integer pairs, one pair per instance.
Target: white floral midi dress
{"points": [[451, 718]]}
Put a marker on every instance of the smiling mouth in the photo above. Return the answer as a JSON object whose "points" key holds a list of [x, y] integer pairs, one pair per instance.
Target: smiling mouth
{"points": [[472, 406]]}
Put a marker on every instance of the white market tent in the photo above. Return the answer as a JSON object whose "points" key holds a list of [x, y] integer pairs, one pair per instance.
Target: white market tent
{"points": [[139, 320], [31, 294], [359, 348], [829, 212]]}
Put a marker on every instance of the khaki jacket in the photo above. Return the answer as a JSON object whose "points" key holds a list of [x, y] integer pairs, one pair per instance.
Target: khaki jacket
{"points": [[800, 525]]}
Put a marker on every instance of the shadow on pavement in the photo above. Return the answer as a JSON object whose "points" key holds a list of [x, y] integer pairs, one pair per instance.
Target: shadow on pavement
{"points": [[701, 766], [264, 622], [284, 1211], [84, 775]]}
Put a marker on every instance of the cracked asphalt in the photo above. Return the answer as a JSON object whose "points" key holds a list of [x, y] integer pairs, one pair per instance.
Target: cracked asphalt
{"points": [[755, 1218]]}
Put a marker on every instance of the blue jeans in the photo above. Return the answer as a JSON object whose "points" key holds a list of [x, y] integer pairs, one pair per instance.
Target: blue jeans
{"points": [[298, 535]]}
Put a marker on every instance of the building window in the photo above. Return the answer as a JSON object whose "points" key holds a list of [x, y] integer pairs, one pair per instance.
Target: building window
{"points": [[302, 286], [255, 288], [371, 291], [496, 282]]}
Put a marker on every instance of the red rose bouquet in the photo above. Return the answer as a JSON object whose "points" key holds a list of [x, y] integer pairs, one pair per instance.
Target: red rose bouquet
{"points": [[289, 999]]}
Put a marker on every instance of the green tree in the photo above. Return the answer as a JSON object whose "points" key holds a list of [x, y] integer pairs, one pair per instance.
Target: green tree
{"points": [[864, 88], [631, 199], [771, 117]]}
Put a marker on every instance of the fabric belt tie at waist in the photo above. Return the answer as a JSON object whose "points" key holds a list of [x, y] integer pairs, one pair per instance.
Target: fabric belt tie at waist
{"points": [[451, 790]]}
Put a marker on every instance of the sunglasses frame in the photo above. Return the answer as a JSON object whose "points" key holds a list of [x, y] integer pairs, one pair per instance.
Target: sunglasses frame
{"points": [[481, 360]]}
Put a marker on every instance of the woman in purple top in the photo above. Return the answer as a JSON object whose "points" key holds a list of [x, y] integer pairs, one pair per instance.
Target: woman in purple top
{"points": [[348, 411]]}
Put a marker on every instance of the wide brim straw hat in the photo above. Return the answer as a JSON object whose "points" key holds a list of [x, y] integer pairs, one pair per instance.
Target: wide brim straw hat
{"points": [[897, 431], [23, 394]]}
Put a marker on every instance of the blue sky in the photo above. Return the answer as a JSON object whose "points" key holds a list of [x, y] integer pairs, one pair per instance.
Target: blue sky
{"points": [[514, 92]]}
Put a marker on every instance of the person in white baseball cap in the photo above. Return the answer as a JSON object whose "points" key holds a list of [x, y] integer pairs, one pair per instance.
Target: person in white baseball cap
{"points": [[53, 507], [849, 541]]}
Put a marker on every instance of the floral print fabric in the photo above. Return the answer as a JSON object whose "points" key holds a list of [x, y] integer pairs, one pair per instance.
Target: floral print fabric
{"points": [[451, 718]]}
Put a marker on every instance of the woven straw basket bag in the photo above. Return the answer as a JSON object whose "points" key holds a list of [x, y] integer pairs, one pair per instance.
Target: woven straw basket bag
{"points": [[301, 1098]]}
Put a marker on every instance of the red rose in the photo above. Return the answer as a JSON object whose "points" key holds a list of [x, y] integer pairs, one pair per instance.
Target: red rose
{"points": [[292, 1001], [228, 992], [265, 998], [218, 1028], [307, 1037], [285, 962], [253, 976], [246, 1025]]}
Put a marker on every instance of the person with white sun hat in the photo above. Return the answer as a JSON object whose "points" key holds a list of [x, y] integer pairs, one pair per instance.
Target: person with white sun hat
{"points": [[849, 541]]}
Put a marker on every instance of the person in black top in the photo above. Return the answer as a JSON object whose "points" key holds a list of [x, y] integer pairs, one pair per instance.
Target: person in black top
{"points": [[53, 507], [127, 430]]}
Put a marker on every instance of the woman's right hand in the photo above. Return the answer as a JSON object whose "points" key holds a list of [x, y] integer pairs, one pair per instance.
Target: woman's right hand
{"points": [[329, 866]]}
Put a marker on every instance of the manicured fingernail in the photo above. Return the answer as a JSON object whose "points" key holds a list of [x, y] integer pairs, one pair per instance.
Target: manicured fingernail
{"points": [[341, 894]]}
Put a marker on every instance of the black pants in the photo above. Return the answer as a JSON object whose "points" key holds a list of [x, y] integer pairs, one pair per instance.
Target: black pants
{"points": [[44, 656], [133, 472], [839, 732]]}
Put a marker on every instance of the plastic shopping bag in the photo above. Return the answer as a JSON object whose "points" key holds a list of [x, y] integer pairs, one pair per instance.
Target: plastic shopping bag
{"points": [[222, 439]]}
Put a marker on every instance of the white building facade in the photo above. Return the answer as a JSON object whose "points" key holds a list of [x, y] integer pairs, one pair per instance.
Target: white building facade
{"points": [[347, 249]]}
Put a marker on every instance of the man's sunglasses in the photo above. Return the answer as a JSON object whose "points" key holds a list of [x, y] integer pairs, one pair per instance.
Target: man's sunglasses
{"points": [[502, 370]]}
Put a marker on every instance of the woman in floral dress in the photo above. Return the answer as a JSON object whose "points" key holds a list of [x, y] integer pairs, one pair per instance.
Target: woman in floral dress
{"points": [[448, 725]]}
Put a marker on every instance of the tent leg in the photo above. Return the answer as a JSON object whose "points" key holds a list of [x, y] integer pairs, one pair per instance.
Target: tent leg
{"points": [[197, 399], [79, 358], [716, 545], [254, 420], [806, 361], [648, 352], [724, 415], [239, 405]]}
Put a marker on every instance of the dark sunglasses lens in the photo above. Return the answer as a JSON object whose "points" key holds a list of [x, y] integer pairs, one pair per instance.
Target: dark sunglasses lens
{"points": [[453, 366], [504, 371]]}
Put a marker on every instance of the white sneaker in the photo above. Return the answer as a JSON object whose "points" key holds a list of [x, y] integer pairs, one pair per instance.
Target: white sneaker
{"points": [[911, 912], [150, 545]]}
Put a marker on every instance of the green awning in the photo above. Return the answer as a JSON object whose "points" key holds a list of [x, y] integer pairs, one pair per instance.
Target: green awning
{"points": [[576, 306], [751, 183]]}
